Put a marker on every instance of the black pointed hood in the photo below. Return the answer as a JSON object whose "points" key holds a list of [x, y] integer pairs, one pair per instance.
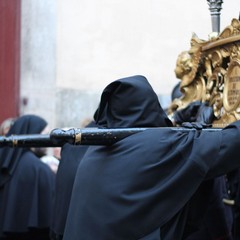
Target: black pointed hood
{"points": [[130, 102]]}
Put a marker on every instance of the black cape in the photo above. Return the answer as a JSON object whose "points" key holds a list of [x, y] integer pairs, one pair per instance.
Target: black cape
{"points": [[71, 156], [130, 190], [233, 184], [27, 185], [205, 216]]}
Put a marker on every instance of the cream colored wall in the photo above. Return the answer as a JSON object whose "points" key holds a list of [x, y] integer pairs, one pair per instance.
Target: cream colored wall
{"points": [[100, 41], [38, 59], [70, 50]]}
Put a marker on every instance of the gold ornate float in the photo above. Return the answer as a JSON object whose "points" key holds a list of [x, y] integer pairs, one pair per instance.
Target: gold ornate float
{"points": [[210, 72]]}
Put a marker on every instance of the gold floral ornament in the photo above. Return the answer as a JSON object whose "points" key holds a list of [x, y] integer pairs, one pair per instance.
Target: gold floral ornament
{"points": [[210, 72], [187, 66]]}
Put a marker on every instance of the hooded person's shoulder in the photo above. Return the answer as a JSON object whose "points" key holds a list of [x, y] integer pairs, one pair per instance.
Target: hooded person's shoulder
{"points": [[30, 161]]}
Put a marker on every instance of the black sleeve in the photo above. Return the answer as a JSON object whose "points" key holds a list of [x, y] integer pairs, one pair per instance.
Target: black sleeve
{"points": [[228, 157]]}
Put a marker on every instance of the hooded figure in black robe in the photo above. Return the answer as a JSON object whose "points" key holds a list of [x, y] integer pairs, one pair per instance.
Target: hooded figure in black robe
{"points": [[26, 187], [139, 187]]}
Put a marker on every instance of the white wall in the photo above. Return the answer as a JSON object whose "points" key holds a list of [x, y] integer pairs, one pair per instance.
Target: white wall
{"points": [[38, 58], [72, 49], [100, 41]]}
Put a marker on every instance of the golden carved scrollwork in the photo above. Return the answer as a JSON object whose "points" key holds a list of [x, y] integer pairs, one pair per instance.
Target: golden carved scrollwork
{"points": [[210, 72]]}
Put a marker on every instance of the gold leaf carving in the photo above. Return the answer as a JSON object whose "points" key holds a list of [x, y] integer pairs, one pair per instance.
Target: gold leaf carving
{"points": [[210, 72]]}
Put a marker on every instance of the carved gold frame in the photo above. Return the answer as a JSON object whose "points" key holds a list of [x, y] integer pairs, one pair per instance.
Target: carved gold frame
{"points": [[212, 74]]}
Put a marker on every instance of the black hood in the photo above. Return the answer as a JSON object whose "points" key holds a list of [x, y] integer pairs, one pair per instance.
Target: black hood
{"points": [[130, 102], [9, 157]]}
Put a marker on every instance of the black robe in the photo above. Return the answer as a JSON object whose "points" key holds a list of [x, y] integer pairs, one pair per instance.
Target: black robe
{"points": [[26, 187], [233, 184], [70, 158], [134, 188]]}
